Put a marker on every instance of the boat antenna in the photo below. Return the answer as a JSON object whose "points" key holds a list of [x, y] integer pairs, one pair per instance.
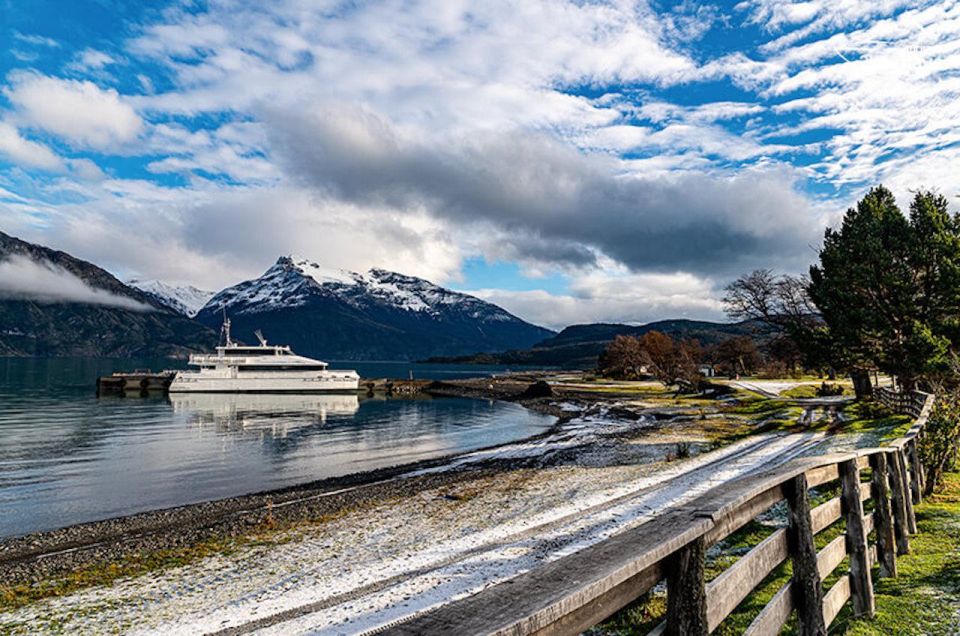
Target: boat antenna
{"points": [[259, 335], [225, 330]]}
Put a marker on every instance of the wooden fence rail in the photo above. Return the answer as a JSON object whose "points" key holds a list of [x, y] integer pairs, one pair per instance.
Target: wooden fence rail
{"points": [[580, 590]]}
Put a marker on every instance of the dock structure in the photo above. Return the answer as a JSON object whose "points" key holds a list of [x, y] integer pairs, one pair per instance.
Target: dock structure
{"points": [[136, 382]]}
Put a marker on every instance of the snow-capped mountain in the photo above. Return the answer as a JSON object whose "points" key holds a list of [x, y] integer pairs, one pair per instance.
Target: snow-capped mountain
{"points": [[374, 315], [187, 300]]}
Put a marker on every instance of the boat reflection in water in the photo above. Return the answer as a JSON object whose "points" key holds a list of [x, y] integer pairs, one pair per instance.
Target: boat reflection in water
{"points": [[271, 413]]}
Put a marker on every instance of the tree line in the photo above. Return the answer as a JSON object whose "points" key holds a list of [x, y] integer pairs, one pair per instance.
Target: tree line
{"points": [[677, 362], [883, 297]]}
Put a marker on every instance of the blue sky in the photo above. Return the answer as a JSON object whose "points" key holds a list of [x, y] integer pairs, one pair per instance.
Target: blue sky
{"points": [[573, 162]]}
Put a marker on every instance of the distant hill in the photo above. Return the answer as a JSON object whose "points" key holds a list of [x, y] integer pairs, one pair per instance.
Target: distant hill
{"points": [[376, 315], [579, 346], [64, 306]]}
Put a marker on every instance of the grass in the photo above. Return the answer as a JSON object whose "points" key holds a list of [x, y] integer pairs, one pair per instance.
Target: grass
{"points": [[925, 597], [13, 597], [267, 532], [864, 417], [923, 600]]}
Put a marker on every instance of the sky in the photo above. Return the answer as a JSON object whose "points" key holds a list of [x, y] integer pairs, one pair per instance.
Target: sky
{"points": [[571, 161]]}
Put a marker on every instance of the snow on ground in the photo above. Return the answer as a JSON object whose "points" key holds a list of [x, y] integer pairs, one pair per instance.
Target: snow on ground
{"points": [[377, 564], [770, 388]]}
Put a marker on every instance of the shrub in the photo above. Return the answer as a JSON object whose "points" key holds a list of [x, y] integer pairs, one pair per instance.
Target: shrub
{"points": [[940, 443], [827, 390]]}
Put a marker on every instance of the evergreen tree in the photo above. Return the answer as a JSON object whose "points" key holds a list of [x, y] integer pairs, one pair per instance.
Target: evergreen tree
{"points": [[887, 286]]}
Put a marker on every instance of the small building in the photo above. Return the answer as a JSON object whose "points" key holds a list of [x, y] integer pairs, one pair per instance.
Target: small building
{"points": [[707, 371]]}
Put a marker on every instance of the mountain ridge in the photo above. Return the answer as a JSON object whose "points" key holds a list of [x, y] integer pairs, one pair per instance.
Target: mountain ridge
{"points": [[63, 327], [183, 299], [579, 346], [378, 314]]}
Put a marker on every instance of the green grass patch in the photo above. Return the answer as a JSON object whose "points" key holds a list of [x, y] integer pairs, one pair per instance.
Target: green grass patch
{"points": [[801, 392], [873, 417], [925, 598]]}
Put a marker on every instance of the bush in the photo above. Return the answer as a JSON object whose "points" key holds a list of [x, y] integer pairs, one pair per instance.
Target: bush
{"points": [[828, 390], [940, 443]]}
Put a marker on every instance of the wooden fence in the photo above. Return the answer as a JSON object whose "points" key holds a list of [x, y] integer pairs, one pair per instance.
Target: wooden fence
{"points": [[578, 591]]}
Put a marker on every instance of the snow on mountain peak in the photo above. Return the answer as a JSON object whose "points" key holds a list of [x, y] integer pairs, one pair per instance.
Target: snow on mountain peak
{"points": [[186, 300], [318, 272], [293, 280]]}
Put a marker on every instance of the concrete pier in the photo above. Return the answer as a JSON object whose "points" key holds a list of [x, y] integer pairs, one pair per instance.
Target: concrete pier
{"points": [[137, 382]]}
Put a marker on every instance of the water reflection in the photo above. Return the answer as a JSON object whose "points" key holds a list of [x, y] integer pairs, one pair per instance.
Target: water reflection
{"points": [[277, 414], [67, 456]]}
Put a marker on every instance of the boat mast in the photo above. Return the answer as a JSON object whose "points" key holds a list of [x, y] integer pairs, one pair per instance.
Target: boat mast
{"points": [[225, 329]]}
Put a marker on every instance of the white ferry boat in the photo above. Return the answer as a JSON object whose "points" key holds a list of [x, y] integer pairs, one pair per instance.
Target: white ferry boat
{"points": [[259, 369]]}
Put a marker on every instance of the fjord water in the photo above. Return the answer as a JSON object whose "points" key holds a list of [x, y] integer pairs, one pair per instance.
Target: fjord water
{"points": [[67, 456]]}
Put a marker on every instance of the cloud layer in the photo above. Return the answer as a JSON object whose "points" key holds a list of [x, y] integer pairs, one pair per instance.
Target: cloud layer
{"points": [[642, 152], [24, 278]]}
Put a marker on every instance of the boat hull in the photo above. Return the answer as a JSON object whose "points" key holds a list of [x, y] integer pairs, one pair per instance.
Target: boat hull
{"points": [[213, 382]]}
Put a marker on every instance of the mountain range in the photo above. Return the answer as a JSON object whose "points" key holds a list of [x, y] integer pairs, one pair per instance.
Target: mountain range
{"points": [[579, 346], [376, 315], [53, 304]]}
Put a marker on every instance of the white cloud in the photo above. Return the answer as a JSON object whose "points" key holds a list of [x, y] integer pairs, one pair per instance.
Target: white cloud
{"points": [[24, 278], [611, 296], [36, 40], [91, 60], [77, 111], [26, 153], [407, 133], [212, 236]]}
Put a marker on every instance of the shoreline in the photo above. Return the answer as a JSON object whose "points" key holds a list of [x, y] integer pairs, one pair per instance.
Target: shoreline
{"points": [[35, 556]]}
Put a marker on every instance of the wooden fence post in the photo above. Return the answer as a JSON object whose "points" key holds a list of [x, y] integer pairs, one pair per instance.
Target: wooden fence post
{"points": [[916, 484], [908, 488], [898, 494], [861, 586], [883, 516], [686, 591], [806, 586]]}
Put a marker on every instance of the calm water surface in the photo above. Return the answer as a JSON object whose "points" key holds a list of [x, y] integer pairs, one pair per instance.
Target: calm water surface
{"points": [[67, 456]]}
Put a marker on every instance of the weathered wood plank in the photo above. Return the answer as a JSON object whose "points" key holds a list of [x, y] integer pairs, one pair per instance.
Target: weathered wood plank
{"points": [[868, 523], [686, 591], [865, 490], [825, 515], [916, 474], [883, 516], [822, 475], [542, 598], [730, 519], [607, 604], [907, 497], [774, 615], [726, 591], [898, 493], [807, 591], [831, 556], [834, 600], [861, 585]]}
